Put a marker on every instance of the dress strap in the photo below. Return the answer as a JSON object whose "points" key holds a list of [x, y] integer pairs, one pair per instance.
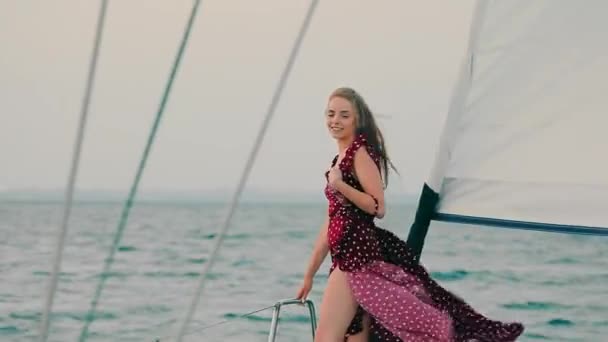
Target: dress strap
{"points": [[333, 163], [347, 162]]}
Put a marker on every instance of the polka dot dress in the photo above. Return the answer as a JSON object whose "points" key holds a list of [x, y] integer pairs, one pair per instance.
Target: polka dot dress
{"points": [[403, 302]]}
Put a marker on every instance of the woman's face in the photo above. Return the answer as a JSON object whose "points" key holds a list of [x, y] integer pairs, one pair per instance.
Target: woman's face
{"points": [[341, 118]]}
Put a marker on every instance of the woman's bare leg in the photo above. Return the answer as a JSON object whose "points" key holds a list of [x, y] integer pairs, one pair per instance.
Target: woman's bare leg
{"points": [[338, 307], [362, 336]]}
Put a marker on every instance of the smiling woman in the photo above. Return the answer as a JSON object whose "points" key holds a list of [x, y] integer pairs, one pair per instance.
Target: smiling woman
{"points": [[375, 284], [340, 118], [347, 111]]}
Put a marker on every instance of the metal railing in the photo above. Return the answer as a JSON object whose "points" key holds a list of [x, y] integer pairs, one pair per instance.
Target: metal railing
{"points": [[274, 324]]}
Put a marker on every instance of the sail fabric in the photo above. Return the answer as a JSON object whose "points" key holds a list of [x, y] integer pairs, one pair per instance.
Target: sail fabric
{"points": [[526, 136]]}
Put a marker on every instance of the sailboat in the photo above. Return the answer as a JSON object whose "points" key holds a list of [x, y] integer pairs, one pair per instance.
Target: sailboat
{"points": [[523, 143], [524, 134]]}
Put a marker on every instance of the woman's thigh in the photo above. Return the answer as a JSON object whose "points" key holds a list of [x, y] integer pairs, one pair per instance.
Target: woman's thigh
{"points": [[338, 307]]}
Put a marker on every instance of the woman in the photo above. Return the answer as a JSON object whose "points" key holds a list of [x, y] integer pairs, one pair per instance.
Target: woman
{"points": [[375, 288]]}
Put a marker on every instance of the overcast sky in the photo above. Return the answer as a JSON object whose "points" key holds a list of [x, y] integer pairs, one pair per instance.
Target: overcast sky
{"points": [[401, 55]]}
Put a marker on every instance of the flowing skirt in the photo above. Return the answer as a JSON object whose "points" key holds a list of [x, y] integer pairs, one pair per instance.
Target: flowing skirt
{"points": [[405, 304]]}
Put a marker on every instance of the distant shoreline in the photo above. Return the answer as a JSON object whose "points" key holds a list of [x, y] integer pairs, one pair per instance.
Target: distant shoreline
{"points": [[209, 197]]}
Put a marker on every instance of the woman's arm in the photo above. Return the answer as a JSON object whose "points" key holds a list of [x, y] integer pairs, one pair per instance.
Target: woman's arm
{"points": [[319, 251], [318, 255], [369, 176]]}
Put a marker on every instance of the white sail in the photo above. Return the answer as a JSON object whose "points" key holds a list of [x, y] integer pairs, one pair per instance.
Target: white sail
{"points": [[525, 141]]}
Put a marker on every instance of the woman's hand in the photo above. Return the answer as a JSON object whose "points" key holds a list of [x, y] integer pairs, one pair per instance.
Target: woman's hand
{"points": [[304, 289], [334, 177]]}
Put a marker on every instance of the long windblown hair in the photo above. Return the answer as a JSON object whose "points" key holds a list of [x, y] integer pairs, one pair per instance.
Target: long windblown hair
{"points": [[366, 125]]}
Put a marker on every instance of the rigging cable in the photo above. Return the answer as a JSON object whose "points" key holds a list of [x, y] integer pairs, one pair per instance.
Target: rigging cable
{"points": [[248, 166], [129, 202], [69, 193]]}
